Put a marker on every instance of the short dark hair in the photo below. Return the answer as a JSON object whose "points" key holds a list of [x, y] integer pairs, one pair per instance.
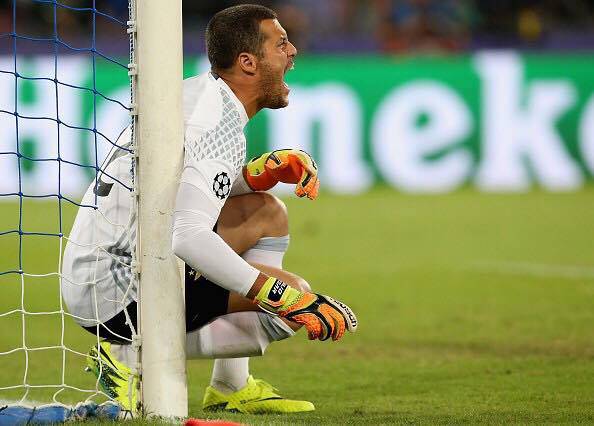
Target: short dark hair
{"points": [[235, 30]]}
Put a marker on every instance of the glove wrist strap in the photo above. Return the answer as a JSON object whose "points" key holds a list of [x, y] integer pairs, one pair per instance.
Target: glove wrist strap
{"points": [[275, 295]]}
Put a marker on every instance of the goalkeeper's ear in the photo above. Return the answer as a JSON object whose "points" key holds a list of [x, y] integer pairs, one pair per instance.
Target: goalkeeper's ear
{"points": [[248, 63]]}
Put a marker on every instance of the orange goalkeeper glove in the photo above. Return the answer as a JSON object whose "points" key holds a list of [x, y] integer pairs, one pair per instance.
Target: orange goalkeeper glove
{"points": [[321, 315], [287, 166]]}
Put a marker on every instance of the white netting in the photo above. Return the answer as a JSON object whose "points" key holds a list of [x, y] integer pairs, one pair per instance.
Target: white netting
{"points": [[64, 102]]}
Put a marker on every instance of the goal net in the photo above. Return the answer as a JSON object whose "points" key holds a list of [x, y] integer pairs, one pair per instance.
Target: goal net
{"points": [[66, 112]]}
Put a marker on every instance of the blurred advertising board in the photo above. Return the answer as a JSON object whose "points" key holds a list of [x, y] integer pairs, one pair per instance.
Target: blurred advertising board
{"points": [[497, 121]]}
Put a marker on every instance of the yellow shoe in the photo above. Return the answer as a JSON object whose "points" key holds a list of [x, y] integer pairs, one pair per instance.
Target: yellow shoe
{"points": [[115, 378], [257, 397]]}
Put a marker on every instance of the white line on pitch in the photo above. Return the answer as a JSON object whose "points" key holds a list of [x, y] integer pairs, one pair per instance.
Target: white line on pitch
{"points": [[545, 270]]}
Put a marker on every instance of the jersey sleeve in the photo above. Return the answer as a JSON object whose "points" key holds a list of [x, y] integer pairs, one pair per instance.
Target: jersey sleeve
{"points": [[240, 186], [195, 242], [212, 163], [213, 177]]}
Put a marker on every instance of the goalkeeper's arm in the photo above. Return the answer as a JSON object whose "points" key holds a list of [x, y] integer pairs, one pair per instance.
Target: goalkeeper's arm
{"points": [[197, 245]]}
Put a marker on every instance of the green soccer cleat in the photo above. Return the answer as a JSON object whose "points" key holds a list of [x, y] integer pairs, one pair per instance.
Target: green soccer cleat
{"points": [[115, 378], [257, 397]]}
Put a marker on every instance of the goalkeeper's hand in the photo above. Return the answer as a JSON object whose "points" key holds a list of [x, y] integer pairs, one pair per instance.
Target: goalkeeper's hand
{"points": [[287, 166], [323, 316]]}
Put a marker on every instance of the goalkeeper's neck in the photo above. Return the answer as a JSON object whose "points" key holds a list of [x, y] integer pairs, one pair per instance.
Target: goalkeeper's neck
{"points": [[245, 86]]}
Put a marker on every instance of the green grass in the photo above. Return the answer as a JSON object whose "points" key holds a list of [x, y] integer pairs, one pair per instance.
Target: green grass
{"points": [[473, 308]]}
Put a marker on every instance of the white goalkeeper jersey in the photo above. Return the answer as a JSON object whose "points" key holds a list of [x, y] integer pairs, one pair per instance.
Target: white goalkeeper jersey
{"points": [[96, 273]]}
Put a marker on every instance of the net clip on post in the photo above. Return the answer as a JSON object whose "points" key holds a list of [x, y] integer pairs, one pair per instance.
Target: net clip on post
{"points": [[131, 26], [132, 70], [133, 111]]}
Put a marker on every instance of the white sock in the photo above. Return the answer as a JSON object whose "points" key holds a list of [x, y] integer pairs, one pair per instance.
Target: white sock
{"points": [[235, 335], [230, 375], [268, 251]]}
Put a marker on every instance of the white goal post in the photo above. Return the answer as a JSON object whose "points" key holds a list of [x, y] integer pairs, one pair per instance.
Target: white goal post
{"points": [[157, 58]]}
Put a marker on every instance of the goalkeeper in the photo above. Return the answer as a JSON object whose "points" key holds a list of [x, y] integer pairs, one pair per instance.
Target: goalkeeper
{"points": [[225, 229]]}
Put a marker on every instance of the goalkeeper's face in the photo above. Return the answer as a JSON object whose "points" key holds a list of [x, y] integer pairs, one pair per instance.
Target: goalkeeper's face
{"points": [[278, 54]]}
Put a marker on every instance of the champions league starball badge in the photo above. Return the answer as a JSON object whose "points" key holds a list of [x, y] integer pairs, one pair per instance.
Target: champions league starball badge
{"points": [[221, 185]]}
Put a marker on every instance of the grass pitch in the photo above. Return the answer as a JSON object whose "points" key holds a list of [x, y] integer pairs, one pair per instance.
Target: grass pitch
{"points": [[472, 307]]}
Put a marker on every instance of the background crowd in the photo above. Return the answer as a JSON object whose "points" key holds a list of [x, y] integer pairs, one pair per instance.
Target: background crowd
{"points": [[347, 25]]}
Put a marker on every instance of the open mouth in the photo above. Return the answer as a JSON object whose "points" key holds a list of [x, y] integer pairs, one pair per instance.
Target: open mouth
{"points": [[290, 66]]}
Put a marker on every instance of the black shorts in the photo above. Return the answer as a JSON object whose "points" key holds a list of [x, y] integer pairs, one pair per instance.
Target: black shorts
{"points": [[204, 302]]}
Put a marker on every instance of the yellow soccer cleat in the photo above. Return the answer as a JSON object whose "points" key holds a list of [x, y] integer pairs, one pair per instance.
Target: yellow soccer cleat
{"points": [[257, 397], [115, 378]]}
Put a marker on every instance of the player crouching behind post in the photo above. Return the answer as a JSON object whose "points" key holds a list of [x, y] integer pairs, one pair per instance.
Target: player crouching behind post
{"points": [[231, 235]]}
